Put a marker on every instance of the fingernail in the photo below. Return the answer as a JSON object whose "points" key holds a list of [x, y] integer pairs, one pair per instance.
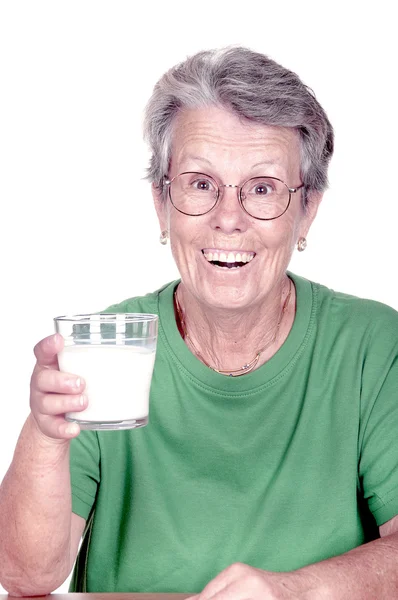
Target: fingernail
{"points": [[72, 429], [51, 339], [79, 401], [77, 382]]}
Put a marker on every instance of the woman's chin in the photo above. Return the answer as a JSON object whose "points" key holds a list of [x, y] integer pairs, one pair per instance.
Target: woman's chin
{"points": [[226, 288]]}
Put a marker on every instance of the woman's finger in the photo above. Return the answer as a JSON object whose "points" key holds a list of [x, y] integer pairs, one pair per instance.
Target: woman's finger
{"points": [[59, 404], [47, 349], [50, 380], [56, 428]]}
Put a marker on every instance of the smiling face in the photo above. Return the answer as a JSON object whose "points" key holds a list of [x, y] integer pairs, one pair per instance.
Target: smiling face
{"points": [[215, 142]]}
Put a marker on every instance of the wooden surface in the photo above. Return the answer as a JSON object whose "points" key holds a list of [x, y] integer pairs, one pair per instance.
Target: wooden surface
{"points": [[105, 597]]}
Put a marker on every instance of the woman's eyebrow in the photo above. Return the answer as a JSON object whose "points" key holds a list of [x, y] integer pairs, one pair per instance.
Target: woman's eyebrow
{"points": [[206, 160], [197, 158], [264, 162]]}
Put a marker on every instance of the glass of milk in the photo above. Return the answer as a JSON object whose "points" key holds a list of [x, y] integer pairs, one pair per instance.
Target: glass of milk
{"points": [[115, 355]]}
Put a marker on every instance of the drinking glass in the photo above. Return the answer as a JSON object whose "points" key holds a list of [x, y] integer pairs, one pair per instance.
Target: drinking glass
{"points": [[115, 355]]}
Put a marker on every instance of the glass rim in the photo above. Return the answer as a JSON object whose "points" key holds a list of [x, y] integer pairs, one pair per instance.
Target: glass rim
{"points": [[107, 317]]}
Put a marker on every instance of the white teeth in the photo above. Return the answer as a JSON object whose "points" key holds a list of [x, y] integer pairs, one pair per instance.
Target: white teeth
{"points": [[229, 257]]}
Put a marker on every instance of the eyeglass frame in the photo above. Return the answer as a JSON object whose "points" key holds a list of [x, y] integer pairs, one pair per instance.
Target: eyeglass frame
{"points": [[291, 191]]}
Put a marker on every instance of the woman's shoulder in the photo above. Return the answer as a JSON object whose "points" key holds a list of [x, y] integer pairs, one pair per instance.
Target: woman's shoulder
{"points": [[356, 314], [354, 304], [149, 303]]}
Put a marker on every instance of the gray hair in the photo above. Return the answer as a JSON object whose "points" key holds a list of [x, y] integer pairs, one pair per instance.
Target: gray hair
{"points": [[251, 86]]}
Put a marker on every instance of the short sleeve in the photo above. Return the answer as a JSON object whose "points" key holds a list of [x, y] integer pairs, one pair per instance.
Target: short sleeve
{"points": [[84, 471], [378, 463]]}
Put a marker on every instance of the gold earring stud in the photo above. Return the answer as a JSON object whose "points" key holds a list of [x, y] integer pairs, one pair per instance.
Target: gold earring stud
{"points": [[164, 236], [301, 244]]}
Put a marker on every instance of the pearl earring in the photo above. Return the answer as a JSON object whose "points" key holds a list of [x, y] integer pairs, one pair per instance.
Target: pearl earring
{"points": [[301, 244], [164, 236]]}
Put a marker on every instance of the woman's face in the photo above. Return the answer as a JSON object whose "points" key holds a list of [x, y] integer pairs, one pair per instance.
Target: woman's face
{"points": [[215, 142]]}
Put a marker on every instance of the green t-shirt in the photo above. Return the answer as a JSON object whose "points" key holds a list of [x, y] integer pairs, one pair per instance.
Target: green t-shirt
{"points": [[288, 465]]}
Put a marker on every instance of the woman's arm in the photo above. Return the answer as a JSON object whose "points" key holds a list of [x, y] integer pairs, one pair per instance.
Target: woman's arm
{"points": [[38, 536], [369, 572], [37, 549]]}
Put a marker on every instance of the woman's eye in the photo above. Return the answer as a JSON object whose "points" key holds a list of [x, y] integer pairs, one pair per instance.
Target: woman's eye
{"points": [[202, 185], [262, 189]]}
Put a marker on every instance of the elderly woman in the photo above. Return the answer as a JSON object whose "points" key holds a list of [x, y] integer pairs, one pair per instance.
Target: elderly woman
{"points": [[269, 468]]}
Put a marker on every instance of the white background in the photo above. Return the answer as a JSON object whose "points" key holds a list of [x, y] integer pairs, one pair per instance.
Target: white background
{"points": [[78, 230]]}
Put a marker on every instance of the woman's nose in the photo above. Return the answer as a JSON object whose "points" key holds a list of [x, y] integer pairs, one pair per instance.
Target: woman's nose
{"points": [[228, 215]]}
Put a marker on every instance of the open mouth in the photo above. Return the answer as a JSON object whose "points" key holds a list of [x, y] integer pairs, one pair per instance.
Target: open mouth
{"points": [[228, 259]]}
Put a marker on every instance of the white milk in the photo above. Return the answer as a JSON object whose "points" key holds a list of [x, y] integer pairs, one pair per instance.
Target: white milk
{"points": [[118, 378]]}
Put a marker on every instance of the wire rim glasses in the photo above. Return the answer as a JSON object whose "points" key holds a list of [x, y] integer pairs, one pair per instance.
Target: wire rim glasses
{"points": [[194, 194]]}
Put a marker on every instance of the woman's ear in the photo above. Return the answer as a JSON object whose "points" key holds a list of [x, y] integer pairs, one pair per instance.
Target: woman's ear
{"points": [[313, 202], [160, 206]]}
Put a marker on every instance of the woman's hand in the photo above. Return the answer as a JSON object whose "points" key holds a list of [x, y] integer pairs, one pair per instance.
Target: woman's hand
{"points": [[53, 393], [241, 582]]}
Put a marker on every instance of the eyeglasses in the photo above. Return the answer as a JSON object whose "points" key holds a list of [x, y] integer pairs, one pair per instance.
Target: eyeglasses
{"points": [[263, 198]]}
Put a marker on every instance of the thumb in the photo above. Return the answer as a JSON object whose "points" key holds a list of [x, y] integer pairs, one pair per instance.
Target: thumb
{"points": [[46, 350]]}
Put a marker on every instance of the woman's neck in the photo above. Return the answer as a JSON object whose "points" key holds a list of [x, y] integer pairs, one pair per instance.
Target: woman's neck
{"points": [[227, 340]]}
